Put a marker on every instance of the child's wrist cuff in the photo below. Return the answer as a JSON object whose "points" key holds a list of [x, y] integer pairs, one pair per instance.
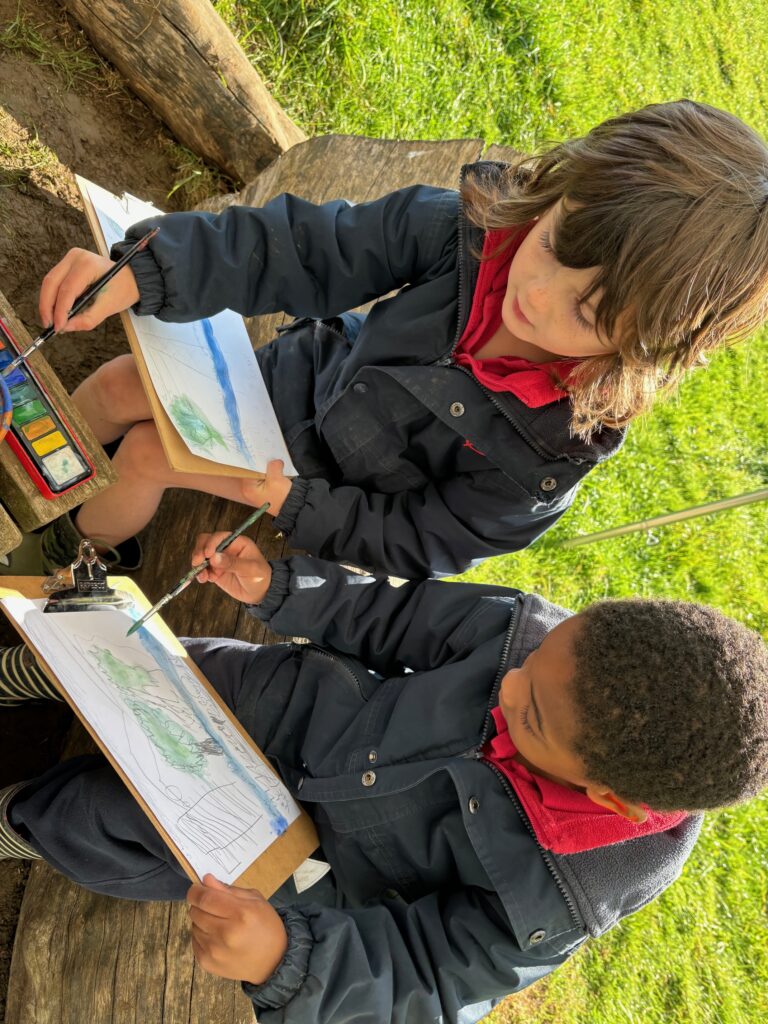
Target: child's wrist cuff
{"points": [[279, 588], [149, 278], [285, 520], [290, 973]]}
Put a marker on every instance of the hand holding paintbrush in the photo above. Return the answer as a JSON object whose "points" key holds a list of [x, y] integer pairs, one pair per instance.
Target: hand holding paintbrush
{"points": [[81, 301], [79, 278], [249, 584]]}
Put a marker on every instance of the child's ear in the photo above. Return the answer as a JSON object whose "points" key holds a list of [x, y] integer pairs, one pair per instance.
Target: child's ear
{"points": [[605, 797]]}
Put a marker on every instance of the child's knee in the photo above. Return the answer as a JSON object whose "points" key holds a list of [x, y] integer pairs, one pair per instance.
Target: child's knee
{"points": [[119, 391], [141, 454]]}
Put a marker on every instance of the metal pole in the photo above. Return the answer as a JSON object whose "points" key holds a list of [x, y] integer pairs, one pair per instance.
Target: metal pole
{"points": [[670, 517]]}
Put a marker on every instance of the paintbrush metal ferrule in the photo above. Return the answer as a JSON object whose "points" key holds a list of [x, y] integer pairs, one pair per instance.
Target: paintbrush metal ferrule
{"points": [[152, 611]]}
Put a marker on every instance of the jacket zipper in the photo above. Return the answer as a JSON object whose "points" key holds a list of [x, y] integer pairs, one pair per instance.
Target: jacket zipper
{"points": [[477, 754], [494, 698], [545, 856], [489, 395], [337, 660], [462, 273]]}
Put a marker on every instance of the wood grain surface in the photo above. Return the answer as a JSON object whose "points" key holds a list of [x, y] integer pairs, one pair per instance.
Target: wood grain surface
{"points": [[183, 61]]}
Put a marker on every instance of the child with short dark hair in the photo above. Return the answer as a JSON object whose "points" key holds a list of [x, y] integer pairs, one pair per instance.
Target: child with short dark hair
{"points": [[539, 310], [493, 780]]}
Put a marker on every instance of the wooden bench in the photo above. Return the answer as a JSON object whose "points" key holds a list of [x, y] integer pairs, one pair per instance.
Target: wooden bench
{"points": [[80, 957]]}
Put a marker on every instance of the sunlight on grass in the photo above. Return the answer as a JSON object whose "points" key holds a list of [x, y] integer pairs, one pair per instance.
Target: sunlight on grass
{"points": [[74, 64]]}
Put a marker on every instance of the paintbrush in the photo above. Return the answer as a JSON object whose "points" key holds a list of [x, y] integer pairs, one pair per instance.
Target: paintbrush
{"points": [[188, 577], [82, 300]]}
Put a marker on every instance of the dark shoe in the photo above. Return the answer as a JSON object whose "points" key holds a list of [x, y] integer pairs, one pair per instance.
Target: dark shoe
{"points": [[60, 542]]}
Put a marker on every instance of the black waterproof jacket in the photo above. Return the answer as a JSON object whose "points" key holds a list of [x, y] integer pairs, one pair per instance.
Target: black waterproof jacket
{"points": [[444, 902], [407, 464]]}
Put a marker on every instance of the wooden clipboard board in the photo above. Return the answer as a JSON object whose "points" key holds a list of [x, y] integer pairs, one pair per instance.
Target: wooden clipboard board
{"points": [[179, 456], [283, 856]]}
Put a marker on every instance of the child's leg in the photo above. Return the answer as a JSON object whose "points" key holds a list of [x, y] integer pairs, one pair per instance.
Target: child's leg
{"points": [[82, 820], [22, 679], [114, 403], [125, 508], [112, 399]]}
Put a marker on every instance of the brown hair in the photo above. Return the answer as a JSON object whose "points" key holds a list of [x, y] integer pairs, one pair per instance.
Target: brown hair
{"points": [[670, 204]]}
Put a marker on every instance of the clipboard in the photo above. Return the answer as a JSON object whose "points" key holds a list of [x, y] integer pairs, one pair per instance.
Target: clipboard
{"points": [[285, 854], [179, 456]]}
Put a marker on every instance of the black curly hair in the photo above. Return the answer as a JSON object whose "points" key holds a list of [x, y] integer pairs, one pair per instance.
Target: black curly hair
{"points": [[672, 703]]}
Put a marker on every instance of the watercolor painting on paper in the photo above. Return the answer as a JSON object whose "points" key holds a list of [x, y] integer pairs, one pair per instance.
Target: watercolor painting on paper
{"points": [[205, 373], [217, 800]]}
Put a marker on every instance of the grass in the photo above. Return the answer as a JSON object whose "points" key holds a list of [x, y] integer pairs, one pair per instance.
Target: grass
{"points": [[73, 61], [518, 72], [194, 179], [24, 159], [61, 46]]}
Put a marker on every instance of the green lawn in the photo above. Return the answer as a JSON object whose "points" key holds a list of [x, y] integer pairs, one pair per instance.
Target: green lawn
{"points": [[516, 72]]}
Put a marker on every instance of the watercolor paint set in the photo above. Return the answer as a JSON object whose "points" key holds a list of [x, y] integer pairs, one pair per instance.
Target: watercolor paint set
{"points": [[39, 436]]}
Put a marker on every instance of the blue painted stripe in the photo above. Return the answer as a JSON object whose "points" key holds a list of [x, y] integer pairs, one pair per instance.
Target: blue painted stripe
{"points": [[225, 383]]}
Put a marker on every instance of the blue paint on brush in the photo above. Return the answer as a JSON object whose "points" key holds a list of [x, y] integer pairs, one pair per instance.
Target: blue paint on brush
{"points": [[225, 383]]}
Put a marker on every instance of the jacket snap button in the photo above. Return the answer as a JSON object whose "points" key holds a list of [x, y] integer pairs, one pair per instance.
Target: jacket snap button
{"points": [[360, 387], [368, 778], [474, 805], [373, 757], [456, 409], [538, 936], [548, 483]]}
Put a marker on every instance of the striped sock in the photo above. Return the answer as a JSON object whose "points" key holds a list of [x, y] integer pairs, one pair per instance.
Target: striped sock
{"points": [[12, 846], [22, 679]]}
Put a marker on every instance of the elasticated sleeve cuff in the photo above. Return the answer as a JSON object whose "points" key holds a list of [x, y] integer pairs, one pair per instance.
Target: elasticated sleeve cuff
{"points": [[149, 278], [279, 589], [289, 976], [285, 520]]}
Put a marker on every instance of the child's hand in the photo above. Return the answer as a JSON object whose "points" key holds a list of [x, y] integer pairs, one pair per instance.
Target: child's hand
{"points": [[235, 932], [70, 277], [241, 571], [273, 488]]}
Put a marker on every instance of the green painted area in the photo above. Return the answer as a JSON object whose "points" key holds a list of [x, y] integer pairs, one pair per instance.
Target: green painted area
{"points": [[517, 73], [177, 747], [193, 425], [121, 673]]}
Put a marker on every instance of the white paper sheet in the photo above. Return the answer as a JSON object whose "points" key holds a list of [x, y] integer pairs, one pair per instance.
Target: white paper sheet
{"points": [[205, 373], [214, 796]]}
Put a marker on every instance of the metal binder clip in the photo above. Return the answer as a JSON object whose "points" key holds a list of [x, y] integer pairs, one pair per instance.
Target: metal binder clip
{"points": [[83, 586]]}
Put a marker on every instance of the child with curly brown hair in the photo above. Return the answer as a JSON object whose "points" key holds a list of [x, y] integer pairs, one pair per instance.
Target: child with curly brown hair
{"points": [[538, 311], [493, 781]]}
